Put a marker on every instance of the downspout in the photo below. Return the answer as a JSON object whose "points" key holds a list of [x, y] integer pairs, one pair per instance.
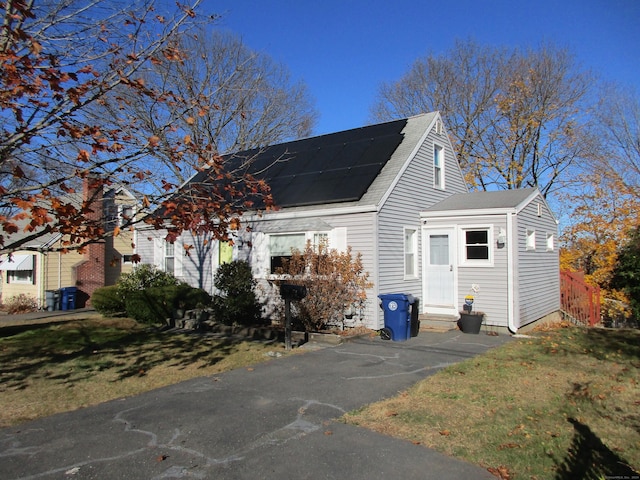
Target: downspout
{"points": [[512, 248], [42, 274], [376, 265], [59, 269]]}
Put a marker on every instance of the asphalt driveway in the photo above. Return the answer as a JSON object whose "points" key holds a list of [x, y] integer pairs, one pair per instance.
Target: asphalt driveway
{"points": [[273, 421]]}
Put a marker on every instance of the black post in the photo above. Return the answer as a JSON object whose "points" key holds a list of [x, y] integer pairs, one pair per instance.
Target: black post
{"points": [[287, 324], [288, 293]]}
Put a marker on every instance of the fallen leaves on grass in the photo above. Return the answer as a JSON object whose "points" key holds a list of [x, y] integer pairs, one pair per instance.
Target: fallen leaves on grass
{"points": [[509, 445], [501, 472]]}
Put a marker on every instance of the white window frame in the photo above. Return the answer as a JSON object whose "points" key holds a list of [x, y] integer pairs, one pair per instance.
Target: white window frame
{"points": [[111, 215], [438, 167], [476, 262], [551, 244], [169, 252], [335, 240], [128, 261], [410, 252], [319, 238], [530, 245], [12, 278], [270, 256], [122, 210]]}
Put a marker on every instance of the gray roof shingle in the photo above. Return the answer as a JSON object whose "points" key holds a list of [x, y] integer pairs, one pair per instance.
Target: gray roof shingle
{"points": [[483, 200]]}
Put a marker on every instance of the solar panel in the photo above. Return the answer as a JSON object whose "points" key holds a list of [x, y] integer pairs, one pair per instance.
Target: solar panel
{"points": [[332, 168]]}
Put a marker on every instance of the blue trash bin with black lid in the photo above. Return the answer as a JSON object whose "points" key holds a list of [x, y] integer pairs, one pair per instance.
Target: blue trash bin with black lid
{"points": [[68, 298], [397, 316]]}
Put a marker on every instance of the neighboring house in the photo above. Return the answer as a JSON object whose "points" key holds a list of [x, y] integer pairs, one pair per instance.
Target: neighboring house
{"points": [[364, 188], [36, 269]]}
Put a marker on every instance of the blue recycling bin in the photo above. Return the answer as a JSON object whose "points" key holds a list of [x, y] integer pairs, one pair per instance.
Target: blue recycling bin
{"points": [[68, 300], [397, 316]]}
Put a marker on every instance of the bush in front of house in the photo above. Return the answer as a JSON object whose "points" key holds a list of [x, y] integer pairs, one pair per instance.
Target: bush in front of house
{"points": [[142, 277], [159, 304], [148, 295], [335, 281], [20, 304], [108, 301], [237, 303]]}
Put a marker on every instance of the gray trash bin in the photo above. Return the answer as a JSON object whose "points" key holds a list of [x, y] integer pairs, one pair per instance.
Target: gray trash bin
{"points": [[50, 300]]}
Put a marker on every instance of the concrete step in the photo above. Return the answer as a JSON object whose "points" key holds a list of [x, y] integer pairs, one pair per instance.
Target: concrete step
{"points": [[442, 323]]}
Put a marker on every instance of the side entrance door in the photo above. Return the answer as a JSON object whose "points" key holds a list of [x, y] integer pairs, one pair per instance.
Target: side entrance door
{"points": [[440, 271]]}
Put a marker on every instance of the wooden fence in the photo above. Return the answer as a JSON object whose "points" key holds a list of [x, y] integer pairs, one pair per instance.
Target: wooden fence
{"points": [[578, 299]]}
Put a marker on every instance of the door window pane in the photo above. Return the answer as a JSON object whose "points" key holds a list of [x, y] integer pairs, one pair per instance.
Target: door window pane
{"points": [[439, 249]]}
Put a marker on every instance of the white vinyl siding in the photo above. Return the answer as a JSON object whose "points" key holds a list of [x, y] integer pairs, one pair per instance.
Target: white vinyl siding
{"points": [[412, 194], [490, 275], [356, 231], [538, 271]]}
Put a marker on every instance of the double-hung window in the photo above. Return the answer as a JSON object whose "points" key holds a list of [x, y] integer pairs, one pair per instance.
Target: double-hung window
{"points": [[410, 252], [477, 246], [125, 214], [320, 241], [169, 258], [438, 166]]}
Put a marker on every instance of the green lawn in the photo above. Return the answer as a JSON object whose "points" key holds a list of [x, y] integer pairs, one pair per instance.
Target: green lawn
{"points": [[563, 404], [55, 368]]}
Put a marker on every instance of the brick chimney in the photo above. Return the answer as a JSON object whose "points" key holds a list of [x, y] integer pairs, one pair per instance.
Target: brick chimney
{"points": [[90, 274]]}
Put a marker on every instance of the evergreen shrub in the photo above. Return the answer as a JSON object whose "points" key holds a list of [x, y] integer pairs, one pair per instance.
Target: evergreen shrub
{"points": [[237, 303], [108, 301]]}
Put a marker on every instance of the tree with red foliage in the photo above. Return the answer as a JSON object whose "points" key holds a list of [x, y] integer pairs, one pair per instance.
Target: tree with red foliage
{"points": [[64, 62]]}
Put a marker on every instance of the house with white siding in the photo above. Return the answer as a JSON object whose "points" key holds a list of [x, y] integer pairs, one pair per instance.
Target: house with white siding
{"points": [[366, 188], [499, 247]]}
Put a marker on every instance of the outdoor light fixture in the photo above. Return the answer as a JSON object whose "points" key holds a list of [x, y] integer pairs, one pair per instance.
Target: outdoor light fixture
{"points": [[502, 238]]}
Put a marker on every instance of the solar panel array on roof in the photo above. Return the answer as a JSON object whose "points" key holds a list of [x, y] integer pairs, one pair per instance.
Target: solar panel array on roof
{"points": [[331, 168]]}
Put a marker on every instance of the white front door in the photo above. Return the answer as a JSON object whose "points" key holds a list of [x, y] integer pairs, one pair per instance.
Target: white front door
{"points": [[440, 271]]}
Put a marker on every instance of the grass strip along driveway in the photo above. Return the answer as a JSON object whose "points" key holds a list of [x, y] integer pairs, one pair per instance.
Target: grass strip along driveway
{"points": [[49, 369], [561, 404]]}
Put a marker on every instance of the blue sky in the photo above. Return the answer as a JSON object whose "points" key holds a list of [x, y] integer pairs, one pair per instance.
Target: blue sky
{"points": [[343, 50]]}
